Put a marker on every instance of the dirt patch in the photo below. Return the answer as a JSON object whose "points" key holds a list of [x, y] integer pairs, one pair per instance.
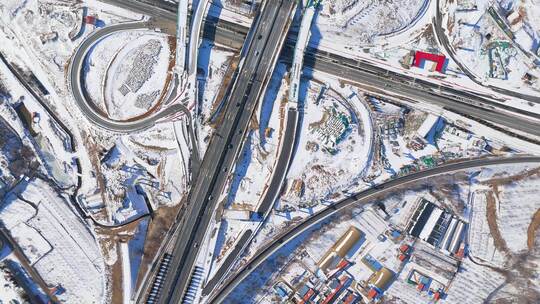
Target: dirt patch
{"points": [[413, 121], [93, 154], [531, 231], [160, 224], [491, 215], [150, 147], [520, 268], [502, 180], [117, 278]]}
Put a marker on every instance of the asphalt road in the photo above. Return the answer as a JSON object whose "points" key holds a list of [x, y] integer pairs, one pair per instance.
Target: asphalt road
{"points": [[362, 72], [155, 8], [465, 106], [218, 277], [261, 48], [363, 197], [280, 171], [466, 103], [91, 113], [459, 101]]}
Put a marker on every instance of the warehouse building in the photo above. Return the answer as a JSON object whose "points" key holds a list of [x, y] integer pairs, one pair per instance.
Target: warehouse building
{"points": [[340, 249], [437, 227]]}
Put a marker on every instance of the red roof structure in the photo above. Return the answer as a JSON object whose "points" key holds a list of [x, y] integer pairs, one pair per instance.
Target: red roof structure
{"points": [[349, 299], [344, 263], [342, 282], [420, 57], [404, 248], [90, 20], [372, 293], [308, 295]]}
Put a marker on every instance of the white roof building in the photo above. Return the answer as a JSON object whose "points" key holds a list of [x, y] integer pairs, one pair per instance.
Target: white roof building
{"points": [[427, 125]]}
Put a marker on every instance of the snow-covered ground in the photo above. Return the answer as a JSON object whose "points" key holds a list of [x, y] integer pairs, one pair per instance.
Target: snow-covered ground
{"points": [[390, 149], [53, 143], [24, 22], [362, 21], [488, 51], [126, 73], [40, 38], [17, 158], [137, 168], [58, 244], [473, 280], [214, 66], [323, 163], [11, 292], [126, 273]]}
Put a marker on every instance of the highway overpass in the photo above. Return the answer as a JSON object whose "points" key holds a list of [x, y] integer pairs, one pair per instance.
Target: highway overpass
{"points": [[368, 74], [269, 196], [259, 55], [284, 156]]}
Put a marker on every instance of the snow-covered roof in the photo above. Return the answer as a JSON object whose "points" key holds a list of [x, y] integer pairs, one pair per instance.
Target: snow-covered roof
{"points": [[427, 125]]}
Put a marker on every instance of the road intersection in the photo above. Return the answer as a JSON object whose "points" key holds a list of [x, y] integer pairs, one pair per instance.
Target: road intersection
{"points": [[260, 52]]}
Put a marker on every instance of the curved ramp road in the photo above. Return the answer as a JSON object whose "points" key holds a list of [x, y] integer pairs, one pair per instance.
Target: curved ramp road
{"points": [[84, 102], [195, 34], [363, 197]]}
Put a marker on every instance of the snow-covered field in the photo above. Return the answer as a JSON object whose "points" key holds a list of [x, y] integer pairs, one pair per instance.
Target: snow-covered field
{"points": [[215, 64], [58, 244], [125, 74], [361, 21], [327, 164], [488, 51]]}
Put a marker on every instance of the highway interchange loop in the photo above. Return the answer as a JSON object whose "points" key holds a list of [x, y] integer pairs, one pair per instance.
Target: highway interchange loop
{"points": [[81, 96]]}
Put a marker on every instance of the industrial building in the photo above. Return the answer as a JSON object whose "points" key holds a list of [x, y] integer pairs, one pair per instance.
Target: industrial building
{"points": [[428, 126], [379, 282], [340, 249], [381, 279], [437, 227]]}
